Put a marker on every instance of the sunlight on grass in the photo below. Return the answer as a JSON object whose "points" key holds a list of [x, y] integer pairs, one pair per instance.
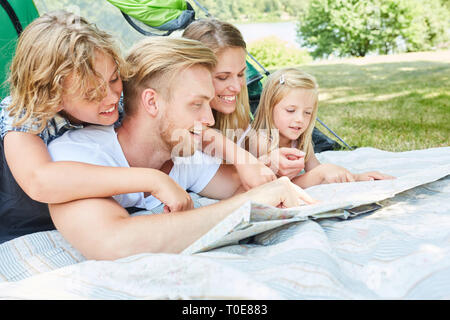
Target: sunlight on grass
{"points": [[396, 106]]}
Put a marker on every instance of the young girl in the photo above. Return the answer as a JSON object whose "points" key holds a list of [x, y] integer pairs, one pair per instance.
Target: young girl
{"points": [[285, 118]]}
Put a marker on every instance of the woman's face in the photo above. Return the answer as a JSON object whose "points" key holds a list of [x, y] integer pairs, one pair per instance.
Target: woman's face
{"points": [[228, 79]]}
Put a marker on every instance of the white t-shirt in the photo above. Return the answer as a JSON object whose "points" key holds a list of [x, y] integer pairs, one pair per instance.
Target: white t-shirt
{"points": [[99, 145]]}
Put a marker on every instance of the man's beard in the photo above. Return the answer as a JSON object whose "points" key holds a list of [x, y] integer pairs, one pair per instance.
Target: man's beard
{"points": [[180, 141]]}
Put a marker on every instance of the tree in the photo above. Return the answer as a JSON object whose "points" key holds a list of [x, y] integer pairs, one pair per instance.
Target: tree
{"points": [[356, 28]]}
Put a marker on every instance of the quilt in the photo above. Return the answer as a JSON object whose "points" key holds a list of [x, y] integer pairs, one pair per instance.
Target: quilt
{"points": [[322, 251]]}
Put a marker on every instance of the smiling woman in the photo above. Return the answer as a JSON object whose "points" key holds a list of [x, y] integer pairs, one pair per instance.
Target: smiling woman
{"points": [[228, 78], [231, 107]]}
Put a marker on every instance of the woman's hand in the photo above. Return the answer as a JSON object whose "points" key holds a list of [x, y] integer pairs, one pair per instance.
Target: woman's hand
{"points": [[254, 174]]}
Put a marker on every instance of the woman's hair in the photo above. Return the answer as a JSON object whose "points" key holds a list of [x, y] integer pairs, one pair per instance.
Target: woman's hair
{"points": [[155, 61], [219, 36], [51, 48], [277, 86]]}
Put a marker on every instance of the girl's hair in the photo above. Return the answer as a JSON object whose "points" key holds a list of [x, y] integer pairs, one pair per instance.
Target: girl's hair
{"points": [[219, 36], [277, 86], [51, 48], [155, 62]]}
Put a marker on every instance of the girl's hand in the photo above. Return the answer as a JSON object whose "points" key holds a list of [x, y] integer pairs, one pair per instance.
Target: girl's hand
{"points": [[372, 175], [174, 197], [287, 162], [334, 174], [254, 174]]}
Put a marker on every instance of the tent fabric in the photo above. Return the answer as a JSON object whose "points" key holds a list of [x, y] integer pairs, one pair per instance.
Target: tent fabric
{"points": [[26, 12], [153, 13]]}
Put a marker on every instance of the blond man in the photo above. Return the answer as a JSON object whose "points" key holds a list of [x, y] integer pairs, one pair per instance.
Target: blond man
{"points": [[167, 97]]}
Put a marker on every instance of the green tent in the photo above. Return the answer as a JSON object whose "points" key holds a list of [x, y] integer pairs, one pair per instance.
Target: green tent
{"points": [[15, 15]]}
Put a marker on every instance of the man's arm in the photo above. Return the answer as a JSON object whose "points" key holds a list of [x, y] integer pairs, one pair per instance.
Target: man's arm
{"points": [[102, 229]]}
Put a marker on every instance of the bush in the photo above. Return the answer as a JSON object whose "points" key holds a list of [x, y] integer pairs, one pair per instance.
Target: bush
{"points": [[356, 28], [273, 52]]}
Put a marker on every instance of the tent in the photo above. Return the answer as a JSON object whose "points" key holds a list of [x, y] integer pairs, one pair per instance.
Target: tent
{"points": [[149, 18], [15, 15]]}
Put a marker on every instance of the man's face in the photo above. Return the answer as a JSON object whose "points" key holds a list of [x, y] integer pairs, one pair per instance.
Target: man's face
{"points": [[187, 110]]}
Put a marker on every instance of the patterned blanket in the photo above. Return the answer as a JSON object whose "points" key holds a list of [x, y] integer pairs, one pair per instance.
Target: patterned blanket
{"points": [[401, 251]]}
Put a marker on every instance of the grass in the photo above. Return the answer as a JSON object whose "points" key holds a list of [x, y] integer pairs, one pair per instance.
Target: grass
{"points": [[395, 105]]}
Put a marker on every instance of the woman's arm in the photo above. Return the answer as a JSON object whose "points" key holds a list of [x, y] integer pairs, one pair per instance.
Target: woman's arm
{"points": [[56, 182], [251, 171]]}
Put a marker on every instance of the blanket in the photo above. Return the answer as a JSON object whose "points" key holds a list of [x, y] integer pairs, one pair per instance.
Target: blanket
{"points": [[401, 251]]}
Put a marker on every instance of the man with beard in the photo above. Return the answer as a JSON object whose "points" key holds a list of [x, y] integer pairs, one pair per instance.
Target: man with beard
{"points": [[167, 95]]}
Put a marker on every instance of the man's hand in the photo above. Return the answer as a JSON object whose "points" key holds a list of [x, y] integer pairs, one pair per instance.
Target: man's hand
{"points": [[174, 197], [280, 193], [286, 162]]}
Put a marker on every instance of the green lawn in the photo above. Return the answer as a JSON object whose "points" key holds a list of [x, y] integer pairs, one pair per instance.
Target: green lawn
{"points": [[395, 106]]}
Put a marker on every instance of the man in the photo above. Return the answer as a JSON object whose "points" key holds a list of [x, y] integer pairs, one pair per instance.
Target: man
{"points": [[167, 97]]}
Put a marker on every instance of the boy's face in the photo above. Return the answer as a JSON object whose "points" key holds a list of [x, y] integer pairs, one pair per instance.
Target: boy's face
{"points": [[78, 109], [187, 111], [228, 79], [292, 115]]}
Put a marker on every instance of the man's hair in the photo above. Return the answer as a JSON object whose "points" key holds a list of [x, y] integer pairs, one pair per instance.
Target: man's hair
{"points": [[155, 62], [219, 35], [49, 49]]}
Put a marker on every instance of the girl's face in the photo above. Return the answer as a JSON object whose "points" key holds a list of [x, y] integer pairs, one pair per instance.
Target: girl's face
{"points": [[80, 110], [228, 79], [292, 115]]}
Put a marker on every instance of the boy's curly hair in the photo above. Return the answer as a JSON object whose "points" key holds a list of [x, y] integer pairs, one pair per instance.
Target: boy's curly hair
{"points": [[51, 48]]}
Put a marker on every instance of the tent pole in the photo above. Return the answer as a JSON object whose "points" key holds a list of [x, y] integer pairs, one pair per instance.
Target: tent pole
{"points": [[267, 73], [203, 8], [320, 121]]}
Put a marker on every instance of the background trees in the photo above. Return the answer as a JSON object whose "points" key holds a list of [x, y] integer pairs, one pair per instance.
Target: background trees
{"points": [[356, 28], [325, 27]]}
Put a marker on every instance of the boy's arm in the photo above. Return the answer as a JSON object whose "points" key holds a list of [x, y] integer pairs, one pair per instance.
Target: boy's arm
{"points": [[56, 182], [102, 229]]}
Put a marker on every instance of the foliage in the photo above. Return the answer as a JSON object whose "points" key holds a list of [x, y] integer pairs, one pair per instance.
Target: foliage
{"points": [[356, 28], [108, 17], [101, 12], [272, 52], [253, 10]]}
